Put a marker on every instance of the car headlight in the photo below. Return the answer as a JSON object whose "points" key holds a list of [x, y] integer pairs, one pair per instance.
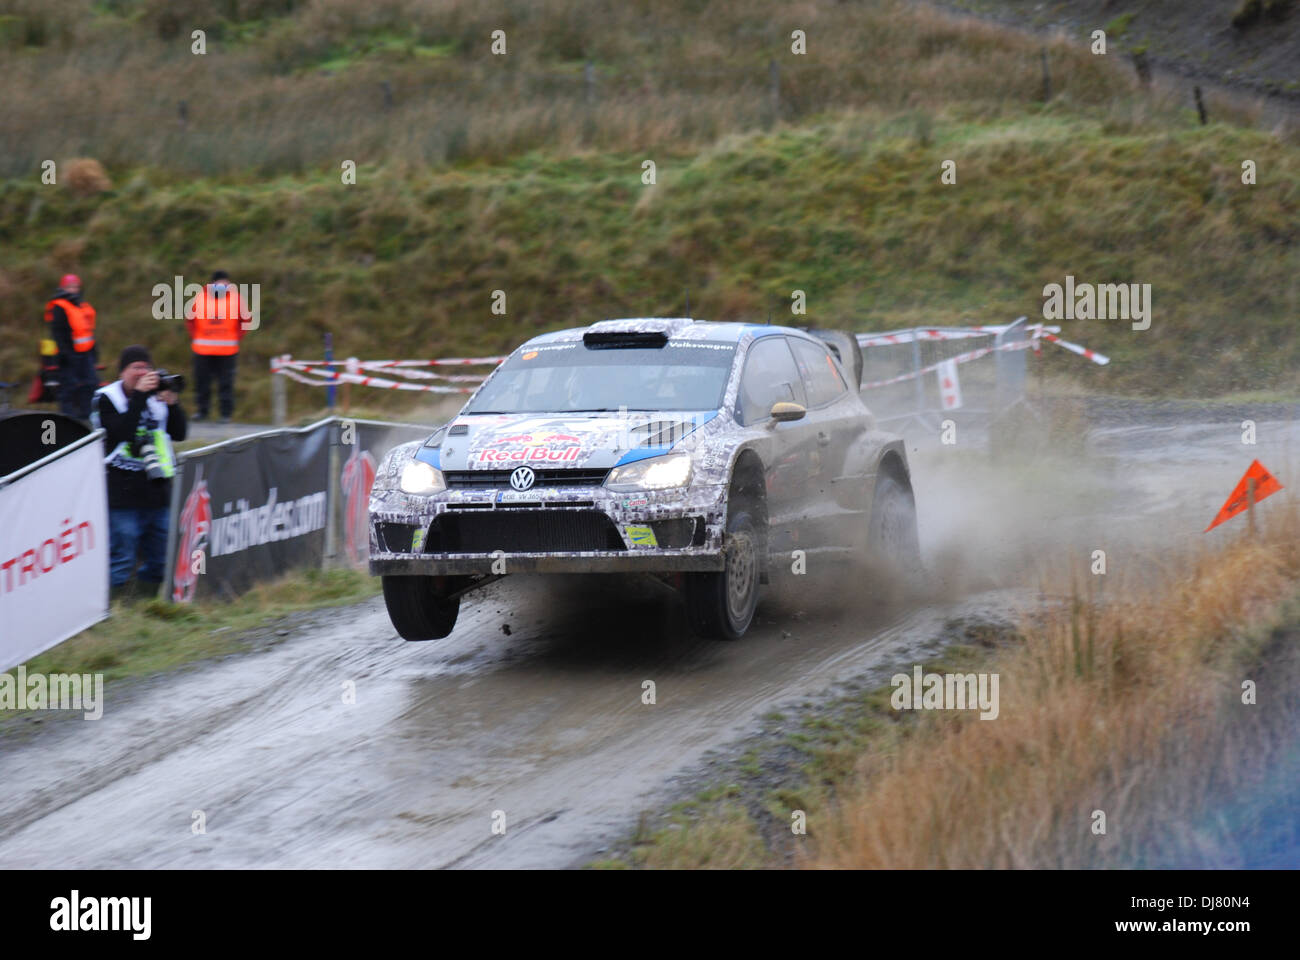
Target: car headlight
{"points": [[653, 473], [420, 478]]}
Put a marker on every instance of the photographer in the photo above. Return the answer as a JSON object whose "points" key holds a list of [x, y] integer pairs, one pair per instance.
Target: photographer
{"points": [[140, 419]]}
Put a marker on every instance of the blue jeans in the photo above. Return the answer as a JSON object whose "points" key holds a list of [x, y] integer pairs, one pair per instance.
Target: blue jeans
{"points": [[136, 533]]}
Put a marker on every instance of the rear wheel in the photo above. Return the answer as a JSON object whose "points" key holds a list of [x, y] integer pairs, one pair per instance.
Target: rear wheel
{"points": [[418, 609], [892, 542], [721, 605]]}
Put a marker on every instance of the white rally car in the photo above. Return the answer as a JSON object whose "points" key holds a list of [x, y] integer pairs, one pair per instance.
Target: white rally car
{"points": [[699, 451]]}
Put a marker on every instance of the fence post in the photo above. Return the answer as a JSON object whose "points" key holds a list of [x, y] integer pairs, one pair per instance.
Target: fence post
{"points": [[1143, 67], [1200, 106], [329, 365], [1047, 78], [332, 495], [173, 535], [279, 411], [916, 365], [183, 111], [1011, 365]]}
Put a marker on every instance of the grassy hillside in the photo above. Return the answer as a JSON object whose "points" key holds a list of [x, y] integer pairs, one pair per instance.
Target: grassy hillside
{"points": [[836, 191], [296, 85]]}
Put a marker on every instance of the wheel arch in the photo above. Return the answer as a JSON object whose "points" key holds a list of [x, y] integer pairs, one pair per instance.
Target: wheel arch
{"points": [[893, 462], [748, 482]]}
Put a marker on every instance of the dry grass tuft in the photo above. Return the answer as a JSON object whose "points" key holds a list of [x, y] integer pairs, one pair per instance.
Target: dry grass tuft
{"points": [[85, 177]]}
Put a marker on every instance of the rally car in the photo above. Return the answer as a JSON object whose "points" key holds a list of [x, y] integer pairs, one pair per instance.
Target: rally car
{"points": [[703, 452]]}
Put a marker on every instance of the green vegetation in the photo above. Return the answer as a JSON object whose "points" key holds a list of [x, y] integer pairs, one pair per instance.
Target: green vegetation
{"points": [[1119, 26], [851, 211], [142, 636], [510, 173]]}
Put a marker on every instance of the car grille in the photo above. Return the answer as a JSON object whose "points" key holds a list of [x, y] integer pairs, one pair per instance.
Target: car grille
{"points": [[544, 478], [560, 531]]}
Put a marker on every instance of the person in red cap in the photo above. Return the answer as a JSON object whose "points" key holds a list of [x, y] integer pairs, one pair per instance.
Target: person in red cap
{"points": [[70, 323]]}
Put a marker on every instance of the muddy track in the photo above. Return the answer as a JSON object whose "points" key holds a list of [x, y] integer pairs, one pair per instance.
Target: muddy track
{"points": [[533, 707], [546, 724]]}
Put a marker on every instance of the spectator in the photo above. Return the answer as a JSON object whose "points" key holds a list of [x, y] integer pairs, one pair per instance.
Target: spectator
{"points": [[140, 421], [214, 321], [70, 323]]}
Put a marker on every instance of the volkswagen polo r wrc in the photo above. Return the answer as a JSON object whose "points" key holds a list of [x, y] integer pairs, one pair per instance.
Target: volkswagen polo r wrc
{"points": [[698, 451]]}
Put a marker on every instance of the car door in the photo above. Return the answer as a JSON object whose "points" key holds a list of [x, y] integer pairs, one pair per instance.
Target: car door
{"points": [[835, 499], [787, 449]]}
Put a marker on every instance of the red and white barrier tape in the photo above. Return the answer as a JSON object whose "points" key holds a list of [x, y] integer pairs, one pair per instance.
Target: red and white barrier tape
{"points": [[960, 358], [351, 373], [326, 373], [381, 382], [378, 364], [929, 333], [412, 374], [1092, 355], [1037, 331]]}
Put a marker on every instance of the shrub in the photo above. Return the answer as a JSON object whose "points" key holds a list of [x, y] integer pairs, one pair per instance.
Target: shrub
{"points": [[85, 177]]}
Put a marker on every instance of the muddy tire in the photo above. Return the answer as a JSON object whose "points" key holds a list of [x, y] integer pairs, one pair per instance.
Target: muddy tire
{"points": [[721, 605], [416, 609], [893, 546]]}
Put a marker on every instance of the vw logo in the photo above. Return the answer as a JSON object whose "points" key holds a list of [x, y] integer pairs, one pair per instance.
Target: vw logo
{"points": [[522, 478]]}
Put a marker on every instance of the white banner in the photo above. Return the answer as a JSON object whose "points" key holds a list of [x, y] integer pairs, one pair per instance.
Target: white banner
{"points": [[53, 551], [949, 385]]}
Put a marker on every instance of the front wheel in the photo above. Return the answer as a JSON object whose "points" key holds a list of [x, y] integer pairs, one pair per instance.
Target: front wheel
{"points": [[417, 609], [722, 605]]}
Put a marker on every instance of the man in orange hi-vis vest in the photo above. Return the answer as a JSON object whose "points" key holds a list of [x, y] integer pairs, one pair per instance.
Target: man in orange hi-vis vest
{"points": [[70, 324], [214, 319]]}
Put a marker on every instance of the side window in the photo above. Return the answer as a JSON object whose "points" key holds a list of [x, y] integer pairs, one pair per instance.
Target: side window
{"points": [[820, 375], [770, 376]]}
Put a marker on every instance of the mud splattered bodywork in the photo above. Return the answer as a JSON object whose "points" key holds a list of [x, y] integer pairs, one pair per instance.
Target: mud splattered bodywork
{"points": [[523, 490]]}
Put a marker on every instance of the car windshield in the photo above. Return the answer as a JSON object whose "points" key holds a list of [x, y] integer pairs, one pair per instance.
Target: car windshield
{"points": [[572, 378]]}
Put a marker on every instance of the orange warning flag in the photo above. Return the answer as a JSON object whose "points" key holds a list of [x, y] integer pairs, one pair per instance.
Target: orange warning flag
{"points": [[1265, 484]]}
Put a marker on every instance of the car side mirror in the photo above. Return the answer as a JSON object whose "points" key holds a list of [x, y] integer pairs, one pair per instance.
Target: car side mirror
{"points": [[783, 411]]}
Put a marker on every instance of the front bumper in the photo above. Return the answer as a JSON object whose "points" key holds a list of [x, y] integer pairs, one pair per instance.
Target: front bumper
{"points": [[569, 530], [456, 564]]}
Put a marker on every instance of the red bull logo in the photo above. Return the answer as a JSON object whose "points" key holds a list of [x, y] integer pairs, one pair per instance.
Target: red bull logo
{"points": [[357, 479], [194, 525], [532, 448]]}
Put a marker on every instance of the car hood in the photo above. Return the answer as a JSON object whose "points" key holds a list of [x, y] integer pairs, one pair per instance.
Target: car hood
{"points": [[559, 441]]}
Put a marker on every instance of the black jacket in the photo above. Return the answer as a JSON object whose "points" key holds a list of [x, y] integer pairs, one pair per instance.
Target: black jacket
{"points": [[132, 488]]}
